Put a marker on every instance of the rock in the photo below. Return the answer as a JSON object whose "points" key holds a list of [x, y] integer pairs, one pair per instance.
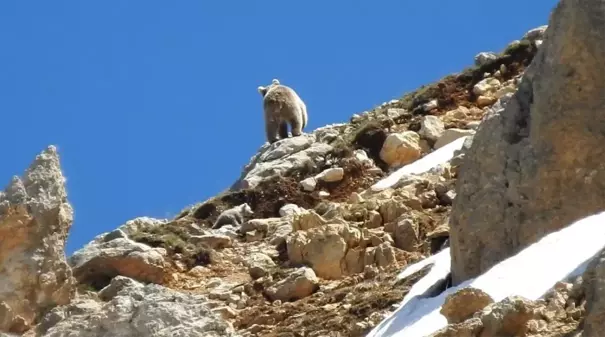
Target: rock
{"points": [[261, 225], [391, 210], [294, 153], [430, 105], [306, 220], [254, 236], [356, 198], [331, 175], [460, 112], [451, 135], [354, 260], [290, 210], [35, 218], [401, 148], [473, 125], [486, 85], [136, 310], [462, 304], [535, 34], [309, 184], [594, 289], [406, 235], [323, 248], [431, 128], [116, 285], [225, 312], [484, 57], [259, 265], [141, 224], [533, 166], [214, 241], [483, 101], [385, 255], [100, 260], [362, 157], [300, 284], [509, 317], [374, 220]]}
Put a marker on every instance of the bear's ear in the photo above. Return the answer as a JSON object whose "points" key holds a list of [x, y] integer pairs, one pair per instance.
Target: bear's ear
{"points": [[262, 90], [275, 81]]}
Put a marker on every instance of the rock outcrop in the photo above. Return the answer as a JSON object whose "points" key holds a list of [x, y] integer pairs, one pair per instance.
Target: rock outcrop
{"points": [[135, 310], [35, 218], [594, 290], [535, 164]]}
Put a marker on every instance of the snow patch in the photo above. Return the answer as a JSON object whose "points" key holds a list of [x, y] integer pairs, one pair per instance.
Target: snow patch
{"points": [[422, 165], [530, 274]]}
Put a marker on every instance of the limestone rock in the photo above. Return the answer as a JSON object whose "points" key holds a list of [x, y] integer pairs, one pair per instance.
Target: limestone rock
{"points": [[306, 220], [451, 135], [258, 264], [331, 175], [277, 158], [462, 304], [100, 260], [431, 128], [35, 218], [136, 310], [309, 184], [534, 165], [401, 148], [486, 85], [406, 235], [300, 284], [290, 210]]}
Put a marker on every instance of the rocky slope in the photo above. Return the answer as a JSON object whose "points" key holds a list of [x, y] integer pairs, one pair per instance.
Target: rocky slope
{"points": [[340, 211]]}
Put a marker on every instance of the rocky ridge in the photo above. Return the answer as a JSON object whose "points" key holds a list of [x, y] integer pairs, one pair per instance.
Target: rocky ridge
{"points": [[320, 255]]}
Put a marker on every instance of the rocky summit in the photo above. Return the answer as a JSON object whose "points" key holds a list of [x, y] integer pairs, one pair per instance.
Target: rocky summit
{"points": [[468, 208]]}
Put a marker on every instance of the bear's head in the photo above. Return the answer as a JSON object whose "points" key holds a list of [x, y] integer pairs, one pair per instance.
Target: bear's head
{"points": [[264, 90]]}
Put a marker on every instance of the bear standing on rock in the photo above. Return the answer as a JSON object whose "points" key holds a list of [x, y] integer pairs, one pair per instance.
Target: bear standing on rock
{"points": [[282, 106]]}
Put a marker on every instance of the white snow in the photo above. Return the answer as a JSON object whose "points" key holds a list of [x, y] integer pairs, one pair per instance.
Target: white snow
{"points": [[422, 165], [530, 274]]}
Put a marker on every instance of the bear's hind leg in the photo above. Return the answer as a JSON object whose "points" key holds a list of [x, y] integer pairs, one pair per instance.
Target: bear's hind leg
{"points": [[296, 127], [283, 130], [271, 131]]}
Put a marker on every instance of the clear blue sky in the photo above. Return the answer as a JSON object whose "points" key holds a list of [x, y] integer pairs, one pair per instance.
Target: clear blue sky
{"points": [[153, 104]]}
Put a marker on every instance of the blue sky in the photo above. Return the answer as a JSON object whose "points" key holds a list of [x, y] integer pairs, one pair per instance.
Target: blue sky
{"points": [[153, 104]]}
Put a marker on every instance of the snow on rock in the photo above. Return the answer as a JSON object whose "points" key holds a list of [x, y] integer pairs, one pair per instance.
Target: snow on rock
{"points": [[431, 160], [525, 274]]}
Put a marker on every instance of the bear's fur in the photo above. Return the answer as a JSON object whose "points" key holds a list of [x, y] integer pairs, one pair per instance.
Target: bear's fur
{"points": [[234, 216], [282, 106]]}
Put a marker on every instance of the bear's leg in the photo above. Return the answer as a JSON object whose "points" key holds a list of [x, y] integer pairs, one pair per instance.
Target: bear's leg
{"points": [[283, 130], [296, 126], [271, 130]]}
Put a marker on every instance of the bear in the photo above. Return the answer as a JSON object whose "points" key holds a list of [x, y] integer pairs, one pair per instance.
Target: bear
{"points": [[234, 216], [282, 106]]}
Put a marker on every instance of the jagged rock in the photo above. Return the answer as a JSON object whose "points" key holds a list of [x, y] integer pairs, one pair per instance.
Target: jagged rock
{"points": [[401, 148], [301, 283], [137, 311], [451, 135], [323, 248], [462, 304], [594, 289], [384, 255], [433, 104], [509, 317], [290, 210], [535, 34], [113, 288], [406, 235], [100, 260], [35, 218], [431, 128], [260, 225], [306, 220], [141, 224], [284, 155], [391, 210], [484, 57], [533, 166], [331, 175]]}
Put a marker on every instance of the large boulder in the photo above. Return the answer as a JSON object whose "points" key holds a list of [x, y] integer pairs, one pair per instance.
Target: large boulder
{"points": [[136, 310], [594, 290], [535, 165], [35, 218]]}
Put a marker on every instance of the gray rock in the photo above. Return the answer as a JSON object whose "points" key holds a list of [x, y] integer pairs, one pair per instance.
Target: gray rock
{"points": [[136, 311], [431, 128], [484, 57], [594, 290], [451, 135], [102, 259], [284, 155], [35, 218], [300, 284], [535, 165]]}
